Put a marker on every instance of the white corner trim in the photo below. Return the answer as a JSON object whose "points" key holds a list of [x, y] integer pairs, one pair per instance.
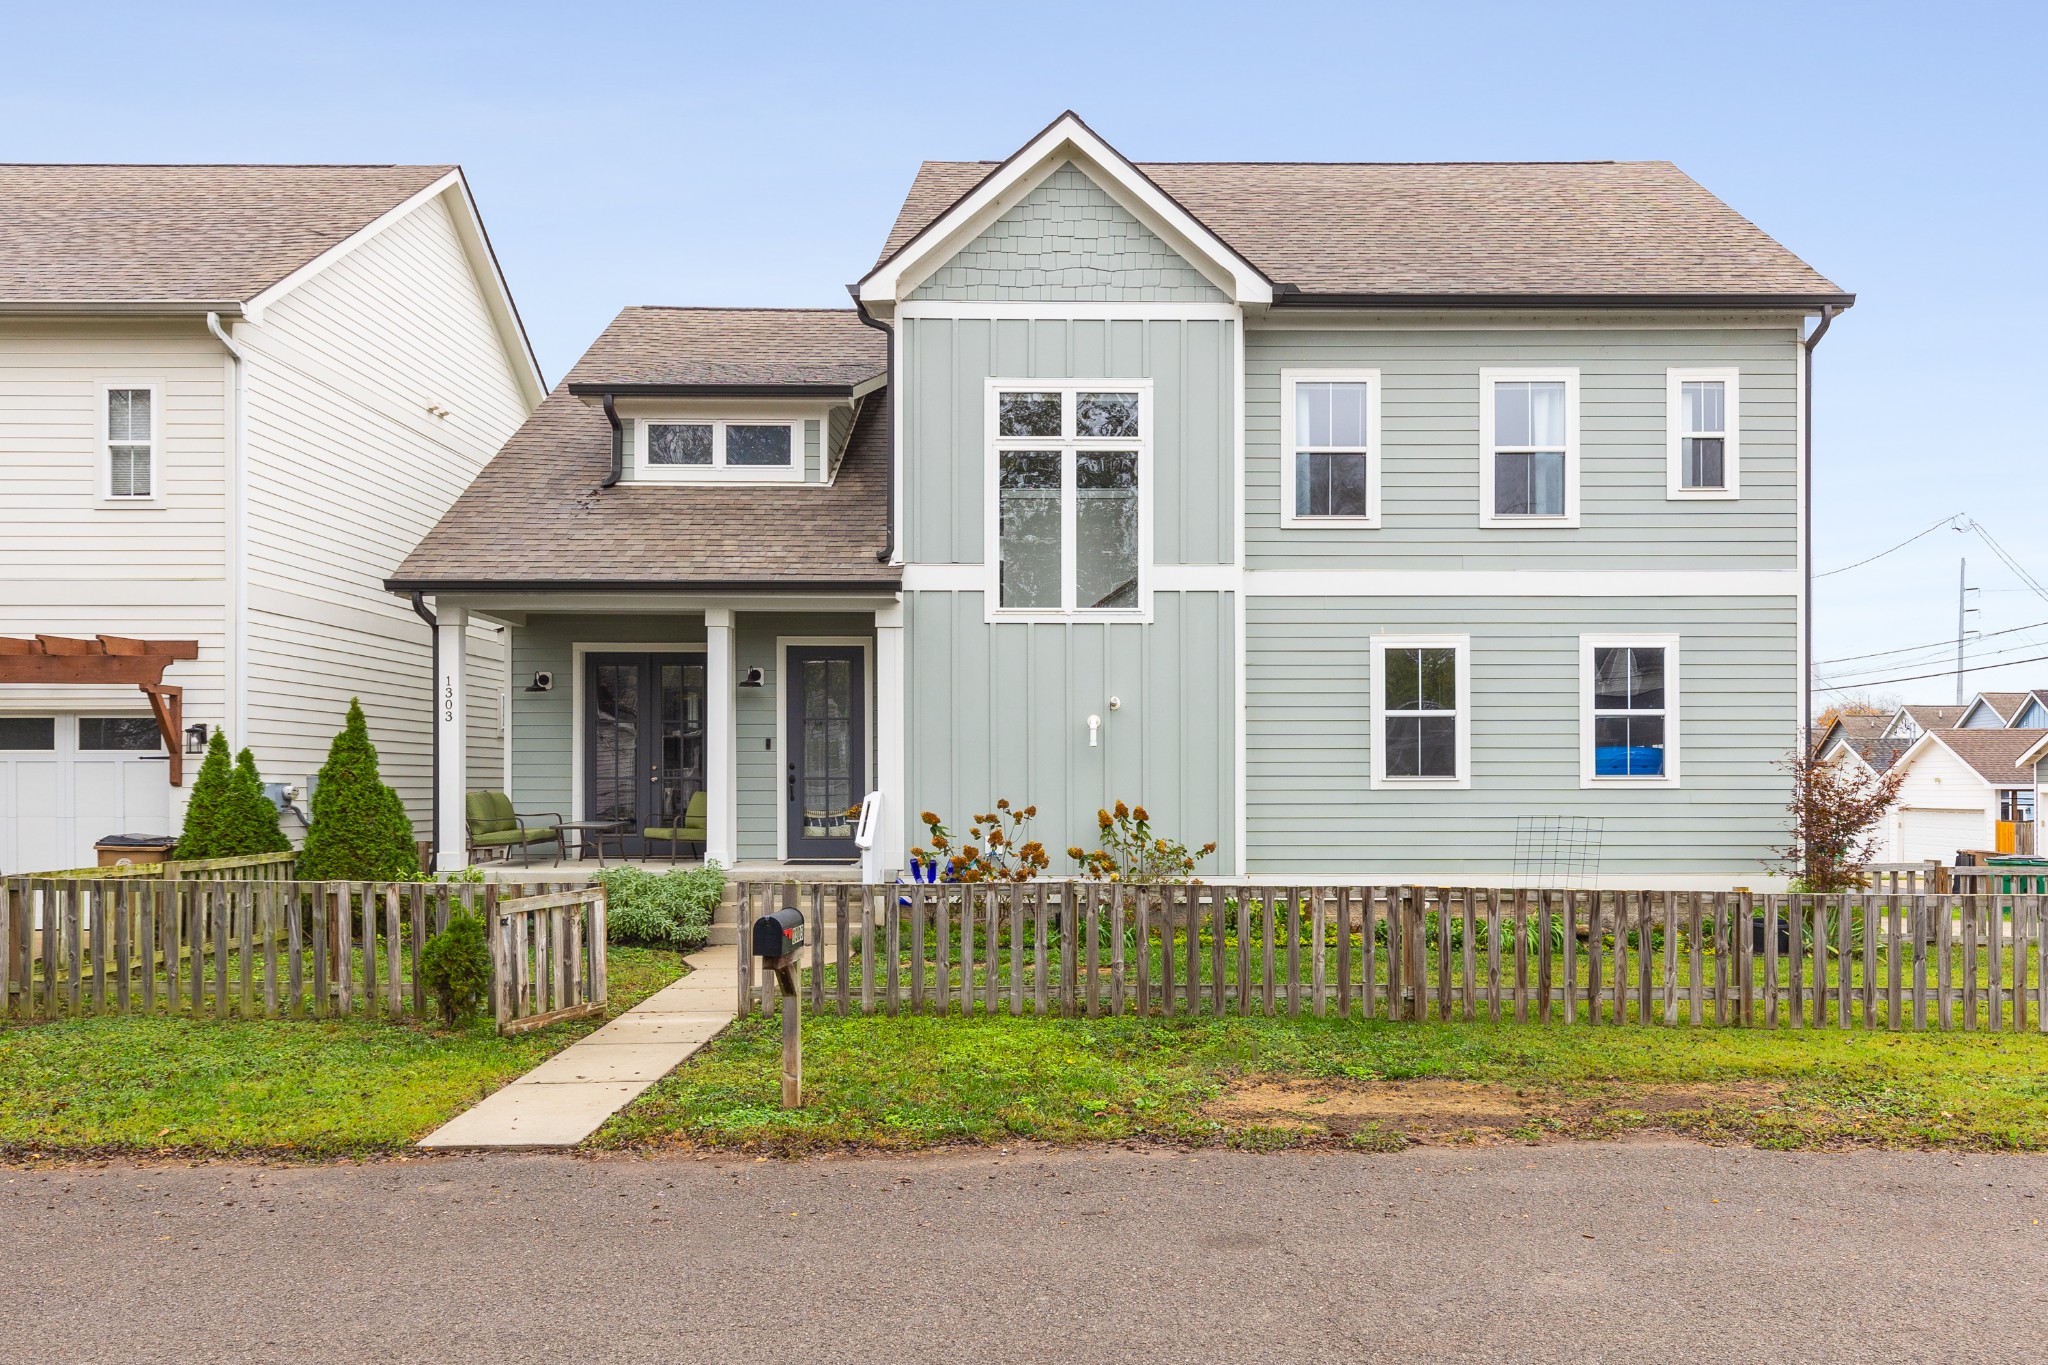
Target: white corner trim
{"points": [[1674, 439], [1489, 376], [1290, 448], [1196, 578], [1521, 583], [1673, 700], [944, 578], [1067, 139], [1375, 678]]}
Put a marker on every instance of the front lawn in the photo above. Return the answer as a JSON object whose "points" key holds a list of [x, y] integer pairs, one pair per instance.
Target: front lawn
{"points": [[156, 1083], [917, 1082]]}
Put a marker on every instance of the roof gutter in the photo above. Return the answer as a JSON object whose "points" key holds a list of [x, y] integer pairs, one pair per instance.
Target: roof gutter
{"points": [[1291, 296], [1828, 314], [416, 586], [611, 414], [888, 551], [713, 390]]}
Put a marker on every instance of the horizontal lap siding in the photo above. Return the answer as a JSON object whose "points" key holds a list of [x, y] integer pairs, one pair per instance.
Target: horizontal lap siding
{"points": [[1430, 459], [1001, 711], [1309, 742]]}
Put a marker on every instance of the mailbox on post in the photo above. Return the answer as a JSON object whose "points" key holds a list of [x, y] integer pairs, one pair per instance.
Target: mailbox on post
{"points": [[777, 939], [779, 933]]}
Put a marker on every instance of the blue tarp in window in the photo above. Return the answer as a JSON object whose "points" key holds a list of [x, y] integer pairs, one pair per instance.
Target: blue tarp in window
{"points": [[1628, 760]]}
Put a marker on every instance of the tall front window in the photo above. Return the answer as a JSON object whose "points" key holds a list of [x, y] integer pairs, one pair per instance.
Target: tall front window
{"points": [[1704, 419], [1630, 710], [1420, 709], [1529, 437], [1330, 432], [1069, 520], [131, 443]]}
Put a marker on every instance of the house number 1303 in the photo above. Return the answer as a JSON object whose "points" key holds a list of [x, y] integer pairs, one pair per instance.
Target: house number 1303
{"points": [[448, 700]]}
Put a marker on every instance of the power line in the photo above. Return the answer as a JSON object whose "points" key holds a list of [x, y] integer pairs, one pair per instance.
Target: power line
{"points": [[1995, 659], [1950, 520], [1932, 644], [1944, 673]]}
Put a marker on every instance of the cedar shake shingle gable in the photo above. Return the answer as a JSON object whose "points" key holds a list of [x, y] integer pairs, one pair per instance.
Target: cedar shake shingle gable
{"points": [[1476, 231], [732, 347], [180, 236]]}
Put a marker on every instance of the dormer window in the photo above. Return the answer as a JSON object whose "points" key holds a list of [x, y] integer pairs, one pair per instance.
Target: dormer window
{"points": [[720, 450]]}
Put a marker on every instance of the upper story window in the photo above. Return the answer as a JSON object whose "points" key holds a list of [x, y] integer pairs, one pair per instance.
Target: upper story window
{"points": [[1628, 705], [1702, 408], [1529, 447], [128, 426], [1421, 734], [721, 450], [1068, 526], [1330, 436]]}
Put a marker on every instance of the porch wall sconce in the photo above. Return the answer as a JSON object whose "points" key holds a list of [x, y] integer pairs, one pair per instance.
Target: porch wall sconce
{"points": [[195, 739], [543, 681], [754, 677]]}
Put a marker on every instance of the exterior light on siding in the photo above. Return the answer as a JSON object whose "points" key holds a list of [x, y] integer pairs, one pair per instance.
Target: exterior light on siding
{"points": [[195, 739]]}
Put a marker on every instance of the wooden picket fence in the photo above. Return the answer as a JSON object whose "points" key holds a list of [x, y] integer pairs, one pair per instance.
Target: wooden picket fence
{"points": [[253, 867], [1412, 953], [268, 948]]}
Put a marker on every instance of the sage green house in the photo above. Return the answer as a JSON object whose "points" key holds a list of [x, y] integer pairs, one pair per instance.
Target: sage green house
{"points": [[1372, 521]]}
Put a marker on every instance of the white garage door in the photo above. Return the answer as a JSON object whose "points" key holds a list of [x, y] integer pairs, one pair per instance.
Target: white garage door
{"points": [[66, 782], [1937, 834]]}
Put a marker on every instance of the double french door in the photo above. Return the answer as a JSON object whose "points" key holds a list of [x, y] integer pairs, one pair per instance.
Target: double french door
{"points": [[643, 743]]}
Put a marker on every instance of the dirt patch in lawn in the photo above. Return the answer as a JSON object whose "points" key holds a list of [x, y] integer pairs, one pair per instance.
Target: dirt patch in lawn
{"points": [[1468, 1110]]}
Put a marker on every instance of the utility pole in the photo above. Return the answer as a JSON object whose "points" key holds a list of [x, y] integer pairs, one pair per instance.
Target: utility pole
{"points": [[1963, 610]]}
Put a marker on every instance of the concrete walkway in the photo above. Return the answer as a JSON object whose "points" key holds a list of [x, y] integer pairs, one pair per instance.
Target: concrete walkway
{"points": [[569, 1096]]}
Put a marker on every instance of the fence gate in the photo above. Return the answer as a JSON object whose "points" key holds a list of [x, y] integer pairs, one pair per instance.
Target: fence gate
{"points": [[547, 958]]}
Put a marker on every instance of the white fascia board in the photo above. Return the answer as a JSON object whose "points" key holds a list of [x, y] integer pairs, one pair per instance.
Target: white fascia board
{"points": [[2033, 755], [1067, 139]]}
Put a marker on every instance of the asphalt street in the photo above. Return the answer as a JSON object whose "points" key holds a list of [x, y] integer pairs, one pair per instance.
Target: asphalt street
{"points": [[1632, 1251]]}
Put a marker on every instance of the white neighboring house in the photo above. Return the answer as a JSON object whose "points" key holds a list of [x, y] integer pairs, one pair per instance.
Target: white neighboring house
{"points": [[231, 399], [1959, 786]]}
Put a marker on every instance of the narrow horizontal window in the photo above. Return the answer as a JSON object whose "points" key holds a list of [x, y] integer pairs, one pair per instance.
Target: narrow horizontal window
{"points": [[747, 451], [28, 734], [118, 734], [679, 443], [757, 446]]}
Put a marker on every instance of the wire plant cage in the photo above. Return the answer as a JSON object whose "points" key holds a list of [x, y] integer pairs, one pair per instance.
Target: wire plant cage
{"points": [[1558, 852]]}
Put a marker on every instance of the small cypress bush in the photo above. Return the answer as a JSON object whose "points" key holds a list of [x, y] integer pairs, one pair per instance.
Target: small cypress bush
{"points": [[250, 824], [456, 966], [206, 811], [359, 831]]}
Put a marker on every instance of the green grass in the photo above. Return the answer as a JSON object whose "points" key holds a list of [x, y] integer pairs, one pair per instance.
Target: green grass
{"points": [[163, 1084], [918, 1082]]}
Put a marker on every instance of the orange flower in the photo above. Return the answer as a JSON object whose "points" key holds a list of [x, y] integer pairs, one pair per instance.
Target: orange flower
{"points": [[928, 818], [1002, 803], [1139, 815], [1075, 853], [1123, 812]]}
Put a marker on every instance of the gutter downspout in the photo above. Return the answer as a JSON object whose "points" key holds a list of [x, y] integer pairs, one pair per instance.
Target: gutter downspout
{"points": [[611, 414], [238, 566], [419, 606], [1827, 318], [888, 550]]}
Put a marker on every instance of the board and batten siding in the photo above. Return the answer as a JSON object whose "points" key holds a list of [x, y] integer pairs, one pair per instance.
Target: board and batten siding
{"points": [[71, 565], [1068, 239], [349, 465], [1002, 710], [1308, 711], [1431, 456]]}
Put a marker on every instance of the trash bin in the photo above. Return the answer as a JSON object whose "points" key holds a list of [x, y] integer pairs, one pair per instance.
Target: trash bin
{"points": [[126, 850], [2020, 874]]}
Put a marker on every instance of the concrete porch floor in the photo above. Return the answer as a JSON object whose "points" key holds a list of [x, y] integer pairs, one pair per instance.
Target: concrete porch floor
{"points": [[573, 869]]}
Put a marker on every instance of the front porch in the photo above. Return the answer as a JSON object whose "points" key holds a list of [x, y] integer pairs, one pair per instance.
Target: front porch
{"points": [[756, 724]]}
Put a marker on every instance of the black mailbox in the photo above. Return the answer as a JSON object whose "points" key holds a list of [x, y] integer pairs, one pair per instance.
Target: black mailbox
{"points": [[779, 932]]}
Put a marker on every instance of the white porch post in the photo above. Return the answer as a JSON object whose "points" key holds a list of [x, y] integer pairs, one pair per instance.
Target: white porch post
{"points": [[451, 731], [889, 737], [721, 740]]}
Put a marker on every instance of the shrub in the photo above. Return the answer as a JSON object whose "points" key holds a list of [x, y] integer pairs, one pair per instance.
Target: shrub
{"points": [[207, 808], [1129, 851], [996, 849], [1834, 810], [251, 823], [359, 831], [456, 966], [661, 909]]}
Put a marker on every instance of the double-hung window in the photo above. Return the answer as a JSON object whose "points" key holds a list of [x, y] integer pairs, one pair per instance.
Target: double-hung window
{"points": [[1420, 705], [1330, 439], [1703, 417], [1529, 447], [1628, 711], [128, 427], [719, 450], [1068, 530]]}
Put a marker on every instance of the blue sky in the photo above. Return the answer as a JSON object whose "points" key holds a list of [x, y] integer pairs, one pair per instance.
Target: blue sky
{"points": [[756, 154]]}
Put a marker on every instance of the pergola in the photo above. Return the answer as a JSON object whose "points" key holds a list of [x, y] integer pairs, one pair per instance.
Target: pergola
{"points": [[108, 659]]}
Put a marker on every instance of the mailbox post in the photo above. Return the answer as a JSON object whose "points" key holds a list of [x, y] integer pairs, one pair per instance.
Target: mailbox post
{"points": [[778, 941]]}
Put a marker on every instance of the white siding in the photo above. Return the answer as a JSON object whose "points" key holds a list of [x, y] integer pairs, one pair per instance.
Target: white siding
{"points": [[1936, 785], [348, 468]]}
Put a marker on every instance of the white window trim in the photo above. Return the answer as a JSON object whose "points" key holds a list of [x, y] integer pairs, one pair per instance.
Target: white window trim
{"points": [[718, 471], [1488, 377], [103, 445], [1289, 380], [1674, 441], [1461, 646], [1067, 443], [1673, 699]]}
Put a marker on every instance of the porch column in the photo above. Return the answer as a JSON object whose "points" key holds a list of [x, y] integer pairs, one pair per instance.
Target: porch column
{"points": [[451, 734], [889, 737], [721, 740]]}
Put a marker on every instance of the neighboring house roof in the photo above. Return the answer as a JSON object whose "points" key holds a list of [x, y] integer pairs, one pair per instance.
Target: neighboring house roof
{"points": [[2003, 705], [183, 237], [535, 517], [1847, 727], [1457, 232], [733, 350], [1992, 754], [1882, 754], [1930, 717]]}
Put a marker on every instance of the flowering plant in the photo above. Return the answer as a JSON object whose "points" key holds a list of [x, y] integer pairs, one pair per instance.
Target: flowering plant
{"points": [[996, 849], [1130, 852]]}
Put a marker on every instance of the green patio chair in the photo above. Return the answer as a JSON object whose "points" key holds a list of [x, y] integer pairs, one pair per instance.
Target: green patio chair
{"points": [[695, 829], [494, 827]]}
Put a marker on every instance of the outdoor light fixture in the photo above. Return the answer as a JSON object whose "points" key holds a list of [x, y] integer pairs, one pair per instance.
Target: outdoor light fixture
{"points": [[754, 677], [195, 739], [543, 681]]}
